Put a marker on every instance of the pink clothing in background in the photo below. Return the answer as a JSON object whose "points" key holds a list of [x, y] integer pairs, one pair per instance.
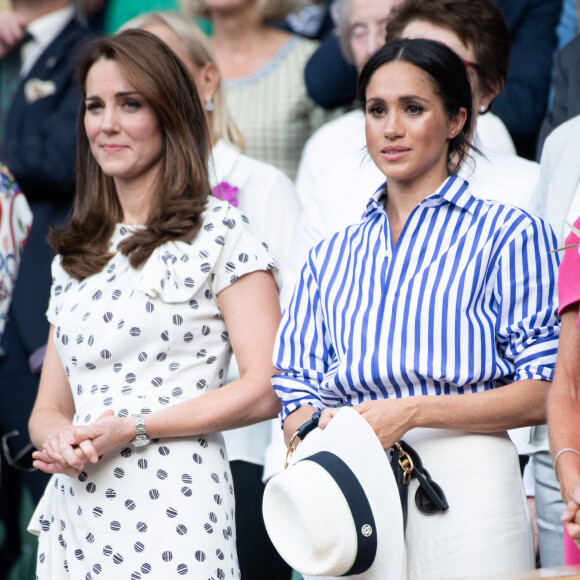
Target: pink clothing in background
{"points": [[571, 550], [569, 272], [568, 294]]}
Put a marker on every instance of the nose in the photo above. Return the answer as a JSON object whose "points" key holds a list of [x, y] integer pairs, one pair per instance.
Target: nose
{"points": [[393, 127], [110, 120]]}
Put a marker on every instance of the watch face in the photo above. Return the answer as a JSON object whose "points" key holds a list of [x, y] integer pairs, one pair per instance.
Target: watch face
{"points": [[140, 442]]}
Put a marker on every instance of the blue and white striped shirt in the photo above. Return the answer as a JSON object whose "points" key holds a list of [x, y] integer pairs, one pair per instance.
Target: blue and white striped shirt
{"points": [[464, 302]]}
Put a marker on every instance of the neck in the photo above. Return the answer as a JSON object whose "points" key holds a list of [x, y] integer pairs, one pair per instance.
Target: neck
{"points": [[234, 29], [32, 10], [135, 199], [404, 197]]}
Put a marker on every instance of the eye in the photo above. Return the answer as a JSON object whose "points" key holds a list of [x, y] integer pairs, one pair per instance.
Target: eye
{"points": [[376, 110], [131, 105], [94, 106], [358, 32], [414, 109]]}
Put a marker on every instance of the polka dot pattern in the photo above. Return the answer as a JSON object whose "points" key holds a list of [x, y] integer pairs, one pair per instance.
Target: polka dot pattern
{"points": [[139, 341]]}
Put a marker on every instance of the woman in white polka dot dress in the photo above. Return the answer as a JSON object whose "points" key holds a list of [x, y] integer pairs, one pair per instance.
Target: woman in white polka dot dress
{"points": [[154, 283]]}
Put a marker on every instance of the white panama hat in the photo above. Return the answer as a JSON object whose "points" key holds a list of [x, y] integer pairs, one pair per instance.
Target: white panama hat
{"points": [[336, 510]]}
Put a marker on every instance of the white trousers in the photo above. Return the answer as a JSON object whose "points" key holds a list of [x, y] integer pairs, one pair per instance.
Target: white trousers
{"points": [[487, 528]]}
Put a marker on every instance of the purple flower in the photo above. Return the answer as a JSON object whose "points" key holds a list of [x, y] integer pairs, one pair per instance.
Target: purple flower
{"points": [[227, 192]]}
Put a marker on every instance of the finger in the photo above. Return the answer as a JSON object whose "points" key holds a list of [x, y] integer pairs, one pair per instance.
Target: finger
{"points": [[361, 407], [89, 451], [80, 434], [573, 531], [70, 458], [107, 413], [12, 30], [326, 416], [575, 496], [41, 456], [51, 452], [569, 511], [52, 468]]}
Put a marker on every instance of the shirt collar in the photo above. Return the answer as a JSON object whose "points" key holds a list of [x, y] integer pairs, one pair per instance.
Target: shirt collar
{"points": [[44, 30], [223, 162], [454, 190]]}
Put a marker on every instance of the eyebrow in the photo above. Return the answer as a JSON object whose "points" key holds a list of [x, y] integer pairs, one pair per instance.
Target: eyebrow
{"points": [[404, 99], [119, 94]]}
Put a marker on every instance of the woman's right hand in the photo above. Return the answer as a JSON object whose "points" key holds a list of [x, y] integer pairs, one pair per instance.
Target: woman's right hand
{"points": [[61, 454], [44, 462]]}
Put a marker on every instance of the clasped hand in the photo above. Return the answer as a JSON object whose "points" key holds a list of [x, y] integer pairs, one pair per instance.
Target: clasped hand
{"points": [[389, 418], [66, 451], [571, 515]]}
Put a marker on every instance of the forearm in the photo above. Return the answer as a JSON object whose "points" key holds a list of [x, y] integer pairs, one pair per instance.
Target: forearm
{"points": [[237, 404], [564, 399], [564, 414], [296, 419], [519, 404]]}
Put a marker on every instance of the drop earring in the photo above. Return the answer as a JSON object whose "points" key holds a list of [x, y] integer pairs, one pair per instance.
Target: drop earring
{"points": [[208, 105]]}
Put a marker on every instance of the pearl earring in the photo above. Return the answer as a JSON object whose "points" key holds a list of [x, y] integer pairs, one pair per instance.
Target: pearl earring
{"points": [[208, 104], [482, 109]]}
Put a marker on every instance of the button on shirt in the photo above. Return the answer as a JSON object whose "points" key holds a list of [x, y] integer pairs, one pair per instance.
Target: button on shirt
{"points": [[464, 302]]}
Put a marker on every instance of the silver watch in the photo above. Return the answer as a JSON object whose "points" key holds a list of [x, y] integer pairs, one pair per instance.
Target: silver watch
{"points": [[141, 438]]}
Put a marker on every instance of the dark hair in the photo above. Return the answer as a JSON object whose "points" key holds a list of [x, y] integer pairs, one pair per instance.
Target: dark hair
{"points": [[448, 77], [478, 24], [182, 187]]}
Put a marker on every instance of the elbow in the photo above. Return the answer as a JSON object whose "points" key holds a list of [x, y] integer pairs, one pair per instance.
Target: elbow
{"points": [[273, 407], [266, 404], [538, 412], [32, 432]]}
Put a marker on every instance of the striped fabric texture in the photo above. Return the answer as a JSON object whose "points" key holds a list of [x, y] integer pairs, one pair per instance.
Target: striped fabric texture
{"points": [[465, 301]]}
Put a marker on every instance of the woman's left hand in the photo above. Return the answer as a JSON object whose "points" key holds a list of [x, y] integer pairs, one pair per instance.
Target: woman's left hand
{"points": [[106, 433], [389, 418]]}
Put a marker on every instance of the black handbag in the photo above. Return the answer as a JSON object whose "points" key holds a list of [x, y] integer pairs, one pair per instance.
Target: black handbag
{"points": [[406, 465]]}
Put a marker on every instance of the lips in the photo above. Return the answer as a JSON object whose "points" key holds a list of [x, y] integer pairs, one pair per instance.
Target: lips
{"points": [[112, 148], [394, 152]]}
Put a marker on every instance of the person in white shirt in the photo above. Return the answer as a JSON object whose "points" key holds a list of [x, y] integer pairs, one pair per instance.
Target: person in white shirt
{"points": [[335, 173]]}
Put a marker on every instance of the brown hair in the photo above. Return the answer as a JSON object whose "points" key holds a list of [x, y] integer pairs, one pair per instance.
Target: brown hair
{"points": [[477, 23], [447, 75], [182, 186], [198, 47]]}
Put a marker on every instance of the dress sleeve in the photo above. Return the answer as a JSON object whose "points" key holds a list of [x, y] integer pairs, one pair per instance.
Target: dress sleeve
{"points": [[303, 349], [569, 274], [59, 281], [242, 253], [527, 326]]}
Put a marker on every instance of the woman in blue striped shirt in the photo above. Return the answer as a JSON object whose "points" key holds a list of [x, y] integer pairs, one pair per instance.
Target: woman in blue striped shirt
{"points": [[434, 293]]}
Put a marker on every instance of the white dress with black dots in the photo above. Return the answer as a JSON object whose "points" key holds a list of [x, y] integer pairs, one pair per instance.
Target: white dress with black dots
{"points": [[137, 341]]}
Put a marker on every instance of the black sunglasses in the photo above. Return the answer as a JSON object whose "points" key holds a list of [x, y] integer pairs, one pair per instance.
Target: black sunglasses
{"points": [[429, 497], [22, 461]]}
